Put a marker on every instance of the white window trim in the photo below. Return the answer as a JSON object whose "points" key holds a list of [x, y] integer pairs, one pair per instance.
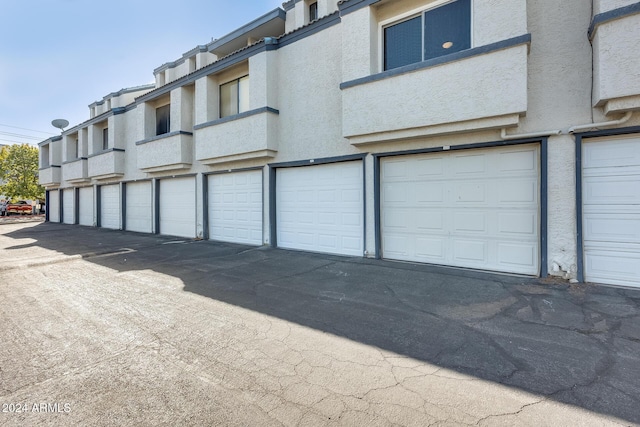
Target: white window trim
{"points": [[230, 81], [412, 14]]}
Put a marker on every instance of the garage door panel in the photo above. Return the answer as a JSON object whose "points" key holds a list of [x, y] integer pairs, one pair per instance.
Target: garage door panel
{"points": [[110, 206], [623, 228], [517, 161], [470, 250], [54, 206], [482, 201], [469, 164], [470, 193], [470, 221], [615, 154], [432, 249], [235, 207], [178, 207], [611, 210], [519, 255], [521, 191], [517, 223], [86, 206], [612, 190], [320, 208], [139, 207], [68, 209], [613, 267]]}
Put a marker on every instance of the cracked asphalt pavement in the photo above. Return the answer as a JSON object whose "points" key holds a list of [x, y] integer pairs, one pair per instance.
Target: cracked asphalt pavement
{"points": [[101, 327]]}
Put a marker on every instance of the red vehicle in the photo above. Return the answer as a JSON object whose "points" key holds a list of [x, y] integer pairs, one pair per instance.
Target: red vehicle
{"points": [[21, 208]]}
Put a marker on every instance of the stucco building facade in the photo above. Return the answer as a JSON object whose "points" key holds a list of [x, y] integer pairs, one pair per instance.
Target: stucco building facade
{"points": [[499, 135]]}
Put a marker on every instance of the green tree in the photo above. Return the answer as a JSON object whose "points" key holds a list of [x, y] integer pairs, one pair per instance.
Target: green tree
{"points": [[19, 172]]}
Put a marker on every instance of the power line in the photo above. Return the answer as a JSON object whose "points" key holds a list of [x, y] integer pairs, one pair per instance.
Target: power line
{"points": [[18, 135], [30, 130]]}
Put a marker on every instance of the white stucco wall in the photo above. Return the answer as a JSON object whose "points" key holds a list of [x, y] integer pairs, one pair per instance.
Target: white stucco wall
{"points": [[166, 153], [543, 86], [616, 59], [253, 136], [493, 21], [310, 100], [75, 170], [489, 85], [600, 6], [105, 164]]}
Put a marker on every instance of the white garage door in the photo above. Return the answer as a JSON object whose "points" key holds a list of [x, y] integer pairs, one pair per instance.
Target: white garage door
{"points": [[68, 205], [139, 206], [235, 207], [54, 206], [611, 210], [471, 208], [320, 208], [110, 206], [178, 207], [86, 206]]}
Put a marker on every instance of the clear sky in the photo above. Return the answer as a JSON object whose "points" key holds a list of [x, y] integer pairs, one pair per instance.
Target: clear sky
{"points": [[59, 56]]}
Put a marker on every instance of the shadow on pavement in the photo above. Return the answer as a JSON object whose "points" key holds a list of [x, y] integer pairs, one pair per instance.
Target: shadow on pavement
{"points": [[576, 344]]}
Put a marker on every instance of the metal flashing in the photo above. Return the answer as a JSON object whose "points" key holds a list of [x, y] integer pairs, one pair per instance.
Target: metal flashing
{"points": [[219, 65], [321, 161], [579, 236], [310, 29], [76, 206], [458, 56], [277, 13], [123, 203], [61, 206], [122, 92], [163, 136], [612, 15], [288, 5], [98, 205], [205, 206], [348, 6], [181, 60], [236, 117], [226, 171], [74, 160], [109, 150]]}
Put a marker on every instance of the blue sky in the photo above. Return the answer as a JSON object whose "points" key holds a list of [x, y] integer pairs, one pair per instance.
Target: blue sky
{"points": [[59, 56]]}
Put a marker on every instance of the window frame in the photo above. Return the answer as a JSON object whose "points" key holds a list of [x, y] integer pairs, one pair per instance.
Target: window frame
{"points": [[168, 107], [236, 80], [309, 5], [105, 141], [420, 11]]}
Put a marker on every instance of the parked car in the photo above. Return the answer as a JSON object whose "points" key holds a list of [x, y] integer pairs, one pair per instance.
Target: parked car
{"points": [[21, 208]]}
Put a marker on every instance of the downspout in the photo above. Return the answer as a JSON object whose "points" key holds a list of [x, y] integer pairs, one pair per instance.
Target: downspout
{"points": [[620, 121], [503, 134]]}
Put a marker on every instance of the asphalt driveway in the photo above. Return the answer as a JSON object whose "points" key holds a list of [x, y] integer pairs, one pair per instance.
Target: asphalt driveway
{"points": [[102, 327]]}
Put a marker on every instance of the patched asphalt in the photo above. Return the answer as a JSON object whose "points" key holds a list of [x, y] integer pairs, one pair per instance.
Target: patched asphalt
{"points": [[133, 329]]}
